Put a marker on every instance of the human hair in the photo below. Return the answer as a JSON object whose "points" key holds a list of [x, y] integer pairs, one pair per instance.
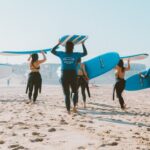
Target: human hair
{"points": [[34, 57], [69, 47], [121, 65]]}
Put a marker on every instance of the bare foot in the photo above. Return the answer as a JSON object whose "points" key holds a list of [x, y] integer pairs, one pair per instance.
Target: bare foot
{"points": [[77, 105], [124, 107], [74, 110], [69, 112], [28, 102]]}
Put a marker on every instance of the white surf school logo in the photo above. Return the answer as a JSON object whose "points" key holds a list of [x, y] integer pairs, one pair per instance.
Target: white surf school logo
{"points": [[68, 60]]}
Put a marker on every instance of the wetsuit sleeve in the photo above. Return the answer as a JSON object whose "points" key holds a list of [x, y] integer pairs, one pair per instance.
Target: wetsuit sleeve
{"points": [[79, 55], [84, 50], [53, 51]]}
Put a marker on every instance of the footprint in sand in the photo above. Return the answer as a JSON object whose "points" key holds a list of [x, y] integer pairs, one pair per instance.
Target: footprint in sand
{"points": [[2, 142], [1, 132], [52, 130], [35, 133], [148, 129], [14, 134], [10, 127], [16, 147], [63, 122], [81, 125], [109, 144], [24, 128], [36, 140], [118, 139], [36, 126], [81, 147], [90, 121]]}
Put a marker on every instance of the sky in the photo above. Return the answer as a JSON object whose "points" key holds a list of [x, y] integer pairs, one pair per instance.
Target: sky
{"points": [[122, 26]]}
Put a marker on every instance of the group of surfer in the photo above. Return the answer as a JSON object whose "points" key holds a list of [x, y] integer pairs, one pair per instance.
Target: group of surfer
{"points": [[73, 76]]}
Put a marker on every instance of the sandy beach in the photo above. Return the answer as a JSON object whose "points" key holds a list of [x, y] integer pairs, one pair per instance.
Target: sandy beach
{"points": [[47, 126]]}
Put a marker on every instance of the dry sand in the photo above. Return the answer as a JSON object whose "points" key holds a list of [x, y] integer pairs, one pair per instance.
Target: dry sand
{"points": [[47, 126]]}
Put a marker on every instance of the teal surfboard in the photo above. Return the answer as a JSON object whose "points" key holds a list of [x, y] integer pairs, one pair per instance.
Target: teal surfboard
{"points": [[101, 64], [135, 57], [24, 52], [135, 82], [75, 39], [5, 70]]}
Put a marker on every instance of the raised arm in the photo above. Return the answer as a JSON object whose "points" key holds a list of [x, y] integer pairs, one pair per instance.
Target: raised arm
{"points": [[128, 68], [53, 51], [84, 50], [44, 58], [29, 58]]}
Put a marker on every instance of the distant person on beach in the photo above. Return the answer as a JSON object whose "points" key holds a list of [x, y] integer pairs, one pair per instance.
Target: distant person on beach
{"points": [[120, 81], [68, 69], [8, 82], [82, 80], [34, 79]]}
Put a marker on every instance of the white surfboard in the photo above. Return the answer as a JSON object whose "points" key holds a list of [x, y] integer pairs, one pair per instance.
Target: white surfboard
{"points": [[75, 39], [135, 57]]}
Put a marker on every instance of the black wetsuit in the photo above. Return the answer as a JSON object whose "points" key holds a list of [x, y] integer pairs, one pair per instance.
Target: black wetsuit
{"points": [[81, 82], [69, 80], [119, 87], [69, 76], [34, 83]]}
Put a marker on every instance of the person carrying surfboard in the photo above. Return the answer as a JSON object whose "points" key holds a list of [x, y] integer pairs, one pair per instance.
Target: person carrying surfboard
{"points": [[82, 80], [120, 81], [34, 79], [68, 69]]}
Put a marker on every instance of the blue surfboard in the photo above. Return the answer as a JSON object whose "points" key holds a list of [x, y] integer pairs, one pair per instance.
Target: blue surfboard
{"points": [[75, 39], [101, 64], [135, 82], [24, 52], [135, 57]]}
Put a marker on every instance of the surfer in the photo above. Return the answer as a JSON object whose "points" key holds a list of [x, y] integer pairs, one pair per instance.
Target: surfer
{"points": [[34, 79], [68, 69], [82, 80], [120, 81]]}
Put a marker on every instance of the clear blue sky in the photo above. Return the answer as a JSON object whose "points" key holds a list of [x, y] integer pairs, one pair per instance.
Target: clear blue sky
{"points": [[112, 25]]}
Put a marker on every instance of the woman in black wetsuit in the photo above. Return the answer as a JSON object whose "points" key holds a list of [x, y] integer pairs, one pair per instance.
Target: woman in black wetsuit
{"points": [[34, 79], [82, 80], [68, 69], [120, 81]]}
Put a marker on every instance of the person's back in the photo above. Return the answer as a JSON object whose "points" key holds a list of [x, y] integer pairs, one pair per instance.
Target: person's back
{"points": [[120, 81], [120, 70], [68, 69], [82, 80], [34, 80]]}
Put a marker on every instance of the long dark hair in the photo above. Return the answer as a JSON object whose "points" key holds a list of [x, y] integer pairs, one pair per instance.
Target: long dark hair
{"points": [[121, 65], [35, 57], [69, 47]]}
